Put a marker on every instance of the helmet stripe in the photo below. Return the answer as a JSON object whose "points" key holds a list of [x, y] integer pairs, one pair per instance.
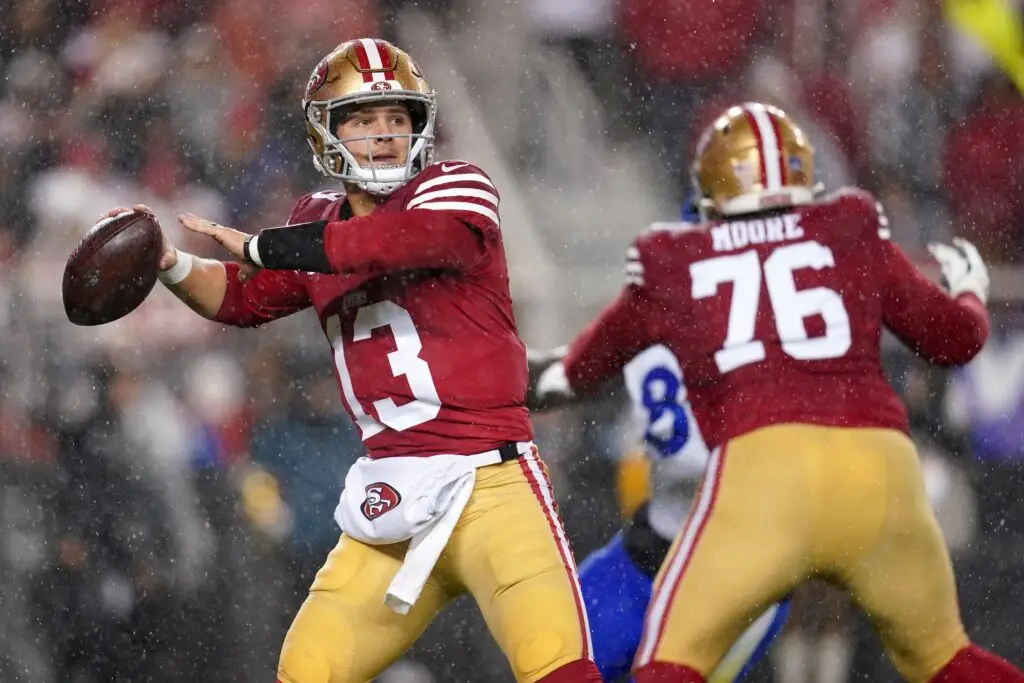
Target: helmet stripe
{"points": [[385, 60], [364, 61], [373, 56], [760, 144], [783, 166], [768, 141]]}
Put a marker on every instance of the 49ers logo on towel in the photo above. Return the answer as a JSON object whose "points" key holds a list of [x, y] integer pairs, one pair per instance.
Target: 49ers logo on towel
{"points": [[380, 498]]}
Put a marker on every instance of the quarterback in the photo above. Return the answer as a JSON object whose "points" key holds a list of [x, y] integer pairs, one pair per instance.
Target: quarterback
{"points": [[774, 306], [405, 267]]}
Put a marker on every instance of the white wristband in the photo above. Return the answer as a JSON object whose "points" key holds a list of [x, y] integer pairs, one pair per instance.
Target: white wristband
{"points": [[179, 271], [254, 251]]}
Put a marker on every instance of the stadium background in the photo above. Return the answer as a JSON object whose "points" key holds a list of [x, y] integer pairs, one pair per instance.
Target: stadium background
{"points": [[166, 485]]}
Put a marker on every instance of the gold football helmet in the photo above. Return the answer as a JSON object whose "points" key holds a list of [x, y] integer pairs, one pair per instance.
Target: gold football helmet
{"points": [[752, 158], [357, 72]]}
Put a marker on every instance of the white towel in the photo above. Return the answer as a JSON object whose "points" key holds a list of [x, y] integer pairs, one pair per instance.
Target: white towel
{"points": [[425, 548], [390, 500]]}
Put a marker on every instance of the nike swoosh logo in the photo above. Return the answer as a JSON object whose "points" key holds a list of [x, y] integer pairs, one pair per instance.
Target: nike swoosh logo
{"points": [[447, 169]]}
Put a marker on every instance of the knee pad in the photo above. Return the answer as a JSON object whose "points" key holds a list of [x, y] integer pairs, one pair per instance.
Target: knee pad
{"points": [[301, 665], [305, 656], [616, 593]]}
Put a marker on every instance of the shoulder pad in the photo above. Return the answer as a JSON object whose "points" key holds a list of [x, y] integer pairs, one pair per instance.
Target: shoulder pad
{"points": [[455, 186], [672, 228], [314, 206], [862, 203], [848, 197], [450, 171]]}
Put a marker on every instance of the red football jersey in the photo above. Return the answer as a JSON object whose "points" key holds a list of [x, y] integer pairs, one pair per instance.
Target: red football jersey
{"points": [[419, 314], [777, 318]]}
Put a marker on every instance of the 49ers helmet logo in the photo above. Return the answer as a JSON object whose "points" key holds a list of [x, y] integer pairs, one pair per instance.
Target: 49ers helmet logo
{"points": [[381, 85], [380, 498], [316, 79]]}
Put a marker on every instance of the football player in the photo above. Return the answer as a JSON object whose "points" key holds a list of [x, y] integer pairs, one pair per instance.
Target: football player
{"points": [[774, 307], [617, 579], [405, 267]]}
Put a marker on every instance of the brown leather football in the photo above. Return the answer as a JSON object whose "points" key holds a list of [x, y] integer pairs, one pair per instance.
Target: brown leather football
{"points": [[113, 269]]}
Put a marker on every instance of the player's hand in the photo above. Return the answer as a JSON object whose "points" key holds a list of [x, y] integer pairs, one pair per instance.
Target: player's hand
{"points": [[229, 238], [547, 387], [168, 254], [963, 269], [121, 209]]}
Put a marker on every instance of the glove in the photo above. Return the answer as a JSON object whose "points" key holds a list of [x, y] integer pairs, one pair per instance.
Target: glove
{"points": [[962, 268], [548, 387]]}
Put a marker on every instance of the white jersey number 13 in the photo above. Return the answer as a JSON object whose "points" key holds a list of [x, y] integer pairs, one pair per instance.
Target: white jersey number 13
{"points": [[405, 362]]}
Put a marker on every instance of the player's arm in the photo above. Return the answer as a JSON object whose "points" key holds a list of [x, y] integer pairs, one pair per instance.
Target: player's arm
{"points": [[371, 245], [199, 282], [617, 334], [597, 354], [446, 223], [602, 349], [228, 292], [944, 328], [222, 292]]}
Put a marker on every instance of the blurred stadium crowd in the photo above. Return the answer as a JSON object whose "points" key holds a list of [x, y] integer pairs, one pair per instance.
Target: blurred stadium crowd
{"points": [[166, 486]]}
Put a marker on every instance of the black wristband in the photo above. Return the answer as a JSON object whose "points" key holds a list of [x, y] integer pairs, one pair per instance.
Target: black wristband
{"points": [[294, 247]]}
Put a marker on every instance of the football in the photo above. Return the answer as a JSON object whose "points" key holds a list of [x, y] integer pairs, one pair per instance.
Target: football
{"points": [[113, 269]]}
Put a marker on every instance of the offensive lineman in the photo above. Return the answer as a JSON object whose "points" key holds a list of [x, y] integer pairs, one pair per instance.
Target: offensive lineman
{"points": [[618, 578], [775, 308]]}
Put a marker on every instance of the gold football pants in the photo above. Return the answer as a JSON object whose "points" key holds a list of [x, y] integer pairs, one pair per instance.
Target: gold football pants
{"points": [[786, 503], [509, 551]]}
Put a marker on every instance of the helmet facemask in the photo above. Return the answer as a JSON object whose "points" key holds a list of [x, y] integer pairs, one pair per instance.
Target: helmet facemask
{"points": [[332, 158]]}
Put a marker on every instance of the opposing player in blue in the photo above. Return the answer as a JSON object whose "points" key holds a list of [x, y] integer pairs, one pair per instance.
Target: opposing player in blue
{"points": [[617, 579]]}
